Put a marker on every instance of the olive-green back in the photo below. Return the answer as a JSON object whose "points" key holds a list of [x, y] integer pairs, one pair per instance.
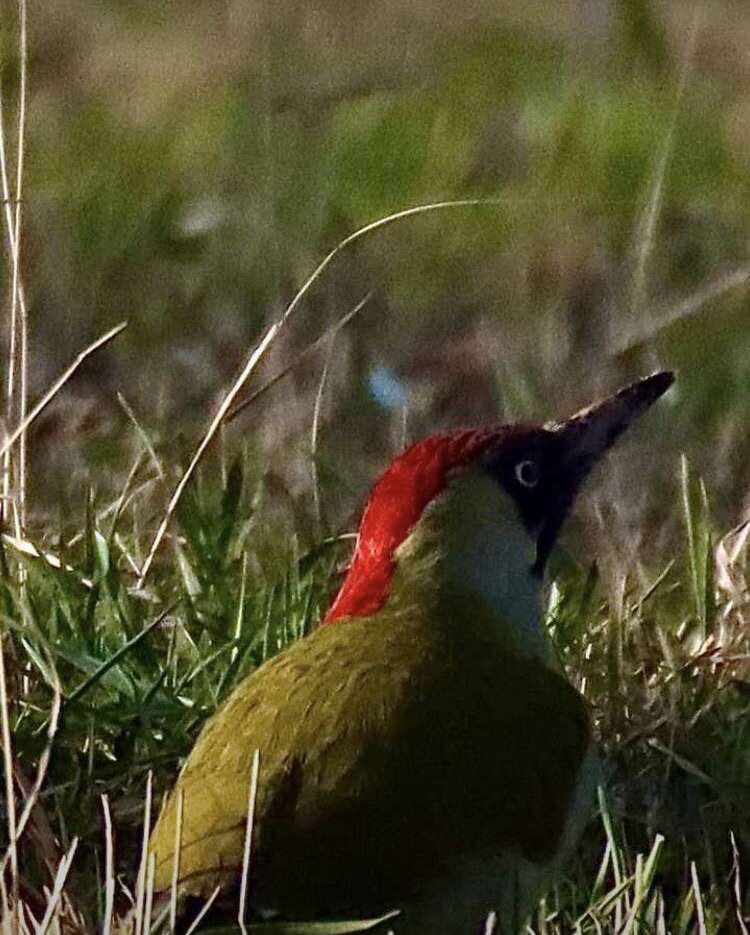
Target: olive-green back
{"points": [[389, 748]]}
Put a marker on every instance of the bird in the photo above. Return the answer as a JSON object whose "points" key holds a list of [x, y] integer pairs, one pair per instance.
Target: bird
{"points": [[421, 751]]}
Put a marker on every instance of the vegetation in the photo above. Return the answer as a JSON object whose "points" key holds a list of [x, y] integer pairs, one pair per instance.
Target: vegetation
{"points": [[175, 180], [137, 670]]}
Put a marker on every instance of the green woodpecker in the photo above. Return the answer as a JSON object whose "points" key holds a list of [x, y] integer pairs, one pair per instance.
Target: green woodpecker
{"points": [[421, 750]]}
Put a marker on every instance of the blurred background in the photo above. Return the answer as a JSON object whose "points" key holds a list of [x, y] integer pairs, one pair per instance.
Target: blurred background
{"points": [[189, 164]]}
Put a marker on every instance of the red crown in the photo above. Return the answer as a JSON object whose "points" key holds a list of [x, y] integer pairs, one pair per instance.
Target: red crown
{"points": [[394, 507]]}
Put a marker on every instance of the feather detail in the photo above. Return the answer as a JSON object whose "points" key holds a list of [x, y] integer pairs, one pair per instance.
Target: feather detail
{"points": [[413, 750], [395, 505]]}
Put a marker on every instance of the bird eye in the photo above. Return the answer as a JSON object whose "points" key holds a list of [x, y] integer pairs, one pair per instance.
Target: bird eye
{"points": [[527, 473]]}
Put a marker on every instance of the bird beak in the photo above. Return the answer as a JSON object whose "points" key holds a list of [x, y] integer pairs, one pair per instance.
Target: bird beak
{"points": [[585, 437], [590, 432]]}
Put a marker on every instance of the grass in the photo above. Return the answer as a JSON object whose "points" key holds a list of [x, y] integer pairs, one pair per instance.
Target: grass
{"points": [[127, 617], [665, 662]]}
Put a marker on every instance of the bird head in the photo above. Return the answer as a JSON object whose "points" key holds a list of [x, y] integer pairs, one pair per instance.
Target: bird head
{"points": [[473, 514]]}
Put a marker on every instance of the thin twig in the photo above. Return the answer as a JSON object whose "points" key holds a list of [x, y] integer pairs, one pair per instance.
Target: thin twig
{"points": [[240, 609], [684, 308], [5, 920], [142, 434], [269, 338], [109, 868], [18, 292], [28, 548], [150, 875], [125, 493], [57, 889], [252, 795], [204, 909], [41, 772], [58, 385], [109, 509], [377, 225], [700, 911], [330, 332], [205, 442], [16, 288], [317, 407], [142, 879]]}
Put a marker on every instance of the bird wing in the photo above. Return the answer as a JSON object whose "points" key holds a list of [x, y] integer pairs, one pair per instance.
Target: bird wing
{"points": [[385, 754]]}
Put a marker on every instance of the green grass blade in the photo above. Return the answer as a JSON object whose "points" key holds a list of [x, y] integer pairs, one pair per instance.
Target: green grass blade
{"points": [[306, 928], [89, 683]]}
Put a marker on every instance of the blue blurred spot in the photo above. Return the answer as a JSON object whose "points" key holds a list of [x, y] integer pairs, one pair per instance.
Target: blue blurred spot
{"points": [[387, 389]]}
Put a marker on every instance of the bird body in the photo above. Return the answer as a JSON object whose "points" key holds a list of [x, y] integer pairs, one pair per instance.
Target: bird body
{"points": [[421, 750], [362, 828]]}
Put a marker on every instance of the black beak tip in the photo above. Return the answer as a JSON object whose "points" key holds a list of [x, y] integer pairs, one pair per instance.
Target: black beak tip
{"points": [[587, 435], [651, 388], [591, 432]]}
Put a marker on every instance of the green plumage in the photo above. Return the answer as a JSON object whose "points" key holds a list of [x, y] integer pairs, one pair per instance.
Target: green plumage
{"points": [[426, 757], [391, 749]]}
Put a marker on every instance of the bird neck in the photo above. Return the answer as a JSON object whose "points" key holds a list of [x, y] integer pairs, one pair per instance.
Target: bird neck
{"points": [[470, 559]]}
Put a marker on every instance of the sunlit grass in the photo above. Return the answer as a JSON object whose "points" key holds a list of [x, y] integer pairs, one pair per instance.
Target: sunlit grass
{"points": [[126, 624], [666, 668]]}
